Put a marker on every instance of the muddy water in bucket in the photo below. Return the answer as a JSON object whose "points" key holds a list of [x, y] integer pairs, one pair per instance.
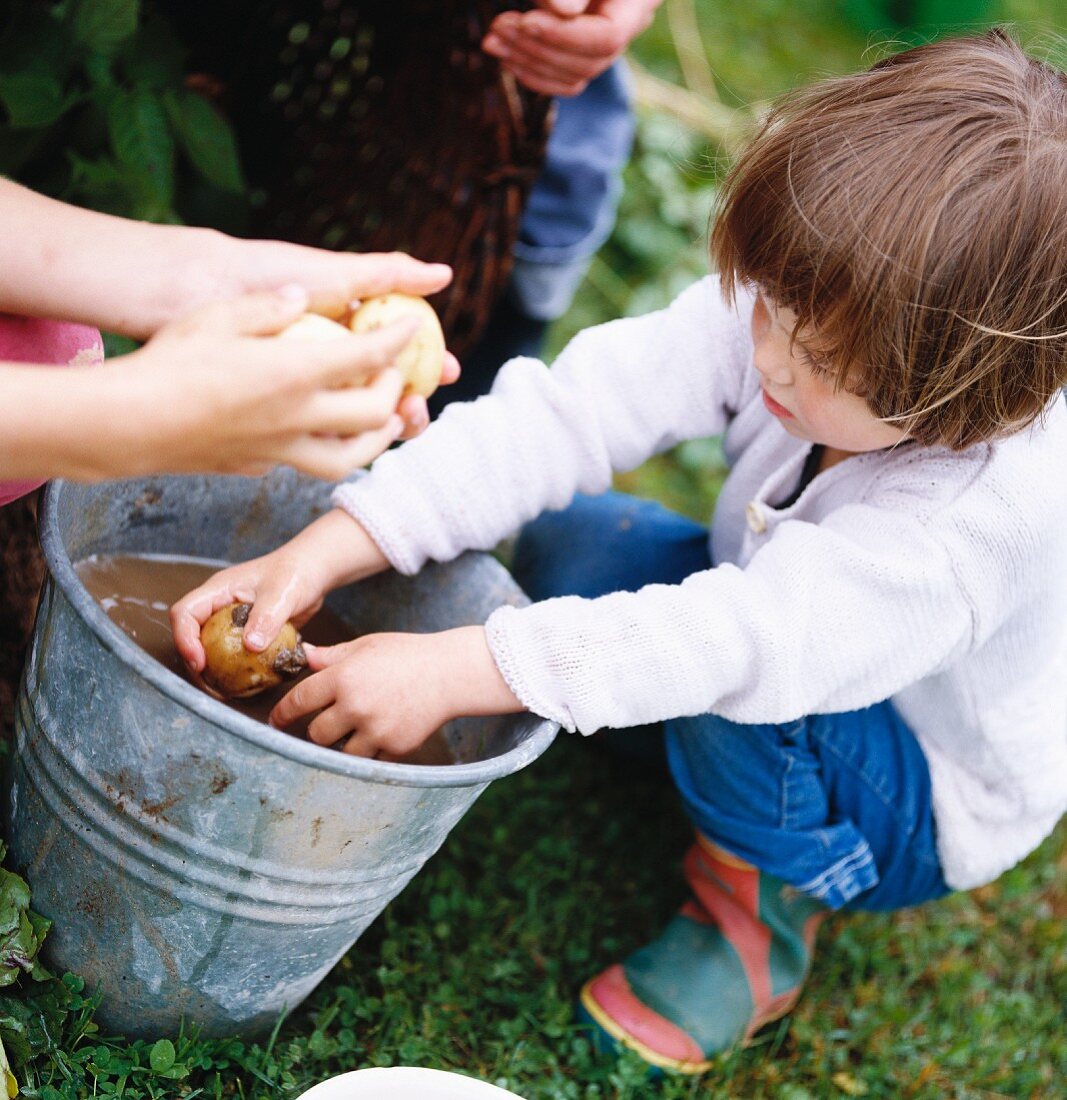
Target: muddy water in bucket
{"points": [[137, 591], [196, 862]]}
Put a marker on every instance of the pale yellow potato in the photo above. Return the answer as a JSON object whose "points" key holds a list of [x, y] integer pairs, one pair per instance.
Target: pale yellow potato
{"points": [[423, 359], [234, 672], [313, 326]]}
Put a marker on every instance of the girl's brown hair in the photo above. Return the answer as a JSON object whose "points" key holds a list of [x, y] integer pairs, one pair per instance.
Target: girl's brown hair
{"points": [[915, 216]]}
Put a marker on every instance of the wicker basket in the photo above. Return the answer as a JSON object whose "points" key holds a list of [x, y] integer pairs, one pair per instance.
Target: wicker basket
{"points": [[22, 570], [379, 125]]}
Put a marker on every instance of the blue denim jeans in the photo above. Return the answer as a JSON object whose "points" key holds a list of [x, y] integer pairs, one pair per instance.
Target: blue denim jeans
{"points": [[569, 214], [571, 209], [837, 805]]}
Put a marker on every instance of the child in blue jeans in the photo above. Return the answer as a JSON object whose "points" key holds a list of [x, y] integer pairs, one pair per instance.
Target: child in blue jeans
{"points": [[860, 677]]}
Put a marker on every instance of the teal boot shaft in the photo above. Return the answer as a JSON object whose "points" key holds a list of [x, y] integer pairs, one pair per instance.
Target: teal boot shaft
{"points": [[732, 960]]}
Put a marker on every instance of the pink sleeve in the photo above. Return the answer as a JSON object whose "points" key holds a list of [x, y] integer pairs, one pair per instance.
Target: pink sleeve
{"points": [[56, 343]]}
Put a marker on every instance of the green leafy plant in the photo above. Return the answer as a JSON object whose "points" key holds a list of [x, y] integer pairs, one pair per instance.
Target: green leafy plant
{"points": [[34, 1004], [96, 110]]}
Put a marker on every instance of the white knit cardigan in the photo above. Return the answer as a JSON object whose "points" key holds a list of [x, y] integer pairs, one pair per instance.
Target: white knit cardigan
{"points": [[934, 578]]}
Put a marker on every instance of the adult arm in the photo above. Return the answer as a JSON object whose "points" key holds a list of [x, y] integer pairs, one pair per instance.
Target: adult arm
{"points": [[133, 277], [205, 394]]}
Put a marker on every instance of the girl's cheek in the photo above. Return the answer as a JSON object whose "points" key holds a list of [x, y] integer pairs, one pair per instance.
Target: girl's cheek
{"points": [[761, 320], [807, 406]]}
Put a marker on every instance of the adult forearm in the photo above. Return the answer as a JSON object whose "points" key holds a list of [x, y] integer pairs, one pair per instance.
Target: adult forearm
{"points": [[118, 274], [61, 426]]}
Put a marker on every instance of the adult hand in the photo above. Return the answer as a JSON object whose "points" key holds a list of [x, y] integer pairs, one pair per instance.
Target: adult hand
{"points": [[213, 393], [133, 278], [334, 282], [557, 48]]}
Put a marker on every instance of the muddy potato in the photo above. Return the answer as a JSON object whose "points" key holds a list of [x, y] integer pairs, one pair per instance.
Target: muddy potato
{"points": [[234, 672], [422, 361]]}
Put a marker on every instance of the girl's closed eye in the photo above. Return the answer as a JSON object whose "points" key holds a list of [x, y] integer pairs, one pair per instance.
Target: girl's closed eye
{"points": [[814, 363], [823, 368]]}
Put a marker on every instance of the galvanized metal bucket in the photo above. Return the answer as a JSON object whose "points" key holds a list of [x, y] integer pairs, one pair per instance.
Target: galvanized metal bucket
{"points": [[198, 864]]}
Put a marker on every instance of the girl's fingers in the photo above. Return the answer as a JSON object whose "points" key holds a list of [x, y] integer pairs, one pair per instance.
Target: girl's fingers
{"points": [[186, 630], [330, 726], [451, 371], [314, 693], [271, 609], [360, 745], [190, 613], [299, 619], [415, 414], [323, 656]]}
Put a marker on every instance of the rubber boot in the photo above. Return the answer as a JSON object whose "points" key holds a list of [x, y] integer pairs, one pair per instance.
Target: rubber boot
{"points": [[733, 959]]}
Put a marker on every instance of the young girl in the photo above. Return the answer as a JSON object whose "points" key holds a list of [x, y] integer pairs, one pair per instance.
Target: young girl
{"points": [[861, 677], [204, 394]]}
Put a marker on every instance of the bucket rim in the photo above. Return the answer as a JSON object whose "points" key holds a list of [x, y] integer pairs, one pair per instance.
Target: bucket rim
{"points": [[474, 773]]}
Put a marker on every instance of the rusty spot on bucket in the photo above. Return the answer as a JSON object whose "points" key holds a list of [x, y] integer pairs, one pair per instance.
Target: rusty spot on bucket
{"points": [[220, 780], [120, 796], [159, 809]]}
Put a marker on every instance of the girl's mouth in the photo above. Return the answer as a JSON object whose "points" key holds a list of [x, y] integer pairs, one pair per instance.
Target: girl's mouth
{"points": [[774, 408]]}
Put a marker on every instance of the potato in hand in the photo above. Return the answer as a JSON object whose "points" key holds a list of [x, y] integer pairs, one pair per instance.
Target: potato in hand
{"points": [[233, 672], [313, 326], [423, 359]]}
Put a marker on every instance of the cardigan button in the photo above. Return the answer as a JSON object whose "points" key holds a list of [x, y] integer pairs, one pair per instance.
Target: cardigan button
{"points": [[757, 522]]}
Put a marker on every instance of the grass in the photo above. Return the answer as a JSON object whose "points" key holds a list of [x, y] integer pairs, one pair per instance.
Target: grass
{"points": [[569, 865], [561, 869]]}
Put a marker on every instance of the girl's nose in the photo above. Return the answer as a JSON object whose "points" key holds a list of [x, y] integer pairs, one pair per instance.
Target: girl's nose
{"points": [[769, 362]]}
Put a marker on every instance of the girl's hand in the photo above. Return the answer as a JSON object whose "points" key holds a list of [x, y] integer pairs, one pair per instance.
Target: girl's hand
{"points": [[388, 692], [287, 584]]}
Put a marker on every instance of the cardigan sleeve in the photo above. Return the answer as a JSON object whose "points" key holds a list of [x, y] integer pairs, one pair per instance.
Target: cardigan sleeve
{"points": [[618, 393], [825, 617]]}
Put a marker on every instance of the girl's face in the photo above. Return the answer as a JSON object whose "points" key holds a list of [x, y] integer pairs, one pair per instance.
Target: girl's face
{"points": [[799, 391]]}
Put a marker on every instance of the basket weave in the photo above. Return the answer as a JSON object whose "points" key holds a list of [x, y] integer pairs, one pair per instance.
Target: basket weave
{"points": [[379, 125], [22, 570]]}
